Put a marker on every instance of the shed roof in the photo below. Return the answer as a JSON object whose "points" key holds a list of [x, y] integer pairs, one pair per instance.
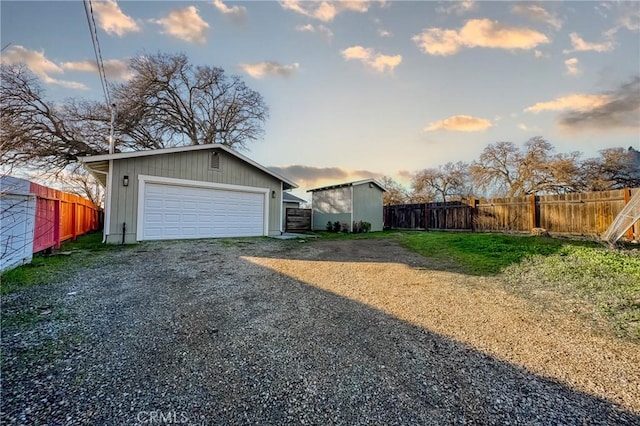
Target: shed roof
{"points": [[355, 183], [99, 164], [288, 197]]}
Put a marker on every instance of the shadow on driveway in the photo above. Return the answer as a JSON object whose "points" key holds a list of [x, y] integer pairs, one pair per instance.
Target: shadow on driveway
{"points": [[193, 332]]}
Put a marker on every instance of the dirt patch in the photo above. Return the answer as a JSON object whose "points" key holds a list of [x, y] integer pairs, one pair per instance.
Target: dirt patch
{"points": [[326, 332], [471, 310]]}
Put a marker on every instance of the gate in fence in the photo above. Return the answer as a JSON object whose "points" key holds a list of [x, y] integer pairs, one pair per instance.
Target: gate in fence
{"points": [[297, 220]]}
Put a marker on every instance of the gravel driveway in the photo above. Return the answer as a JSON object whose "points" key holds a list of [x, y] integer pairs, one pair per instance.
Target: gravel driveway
{"points": [[262, 331]]}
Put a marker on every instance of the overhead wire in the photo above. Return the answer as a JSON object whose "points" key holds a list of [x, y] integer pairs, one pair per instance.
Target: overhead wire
{"points": [[96, 49]]}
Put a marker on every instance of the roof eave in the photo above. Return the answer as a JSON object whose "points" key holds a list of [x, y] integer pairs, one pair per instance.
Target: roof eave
{"points": [[346, 184], [288, 184]]}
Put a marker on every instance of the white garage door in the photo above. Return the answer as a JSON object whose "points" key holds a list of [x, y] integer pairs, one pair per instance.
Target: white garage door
{"points": [[183, 212]]}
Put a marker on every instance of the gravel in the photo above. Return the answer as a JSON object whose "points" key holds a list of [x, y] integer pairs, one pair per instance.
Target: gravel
{"points": [[262, 331]]}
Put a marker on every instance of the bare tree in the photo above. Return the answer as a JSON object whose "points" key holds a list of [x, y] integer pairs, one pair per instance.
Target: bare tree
{"points": [[171, 102], [615, 168], [504, 169], [396, 193], [35, 132], [74, 179], [496, 171], [168, 102], [443, 182]]}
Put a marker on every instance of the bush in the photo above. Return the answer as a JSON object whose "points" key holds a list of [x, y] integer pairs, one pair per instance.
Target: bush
{"points": [[337, 226], [329, 226], [357, 227]]}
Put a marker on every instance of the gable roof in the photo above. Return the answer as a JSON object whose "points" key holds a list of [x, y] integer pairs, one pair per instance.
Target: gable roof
{"points": [[356, 183], [288, 197], [99, 164]]}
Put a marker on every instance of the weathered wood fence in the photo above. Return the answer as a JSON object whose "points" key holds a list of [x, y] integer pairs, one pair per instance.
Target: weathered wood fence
{"points": [[586, 213], [297, 220]]}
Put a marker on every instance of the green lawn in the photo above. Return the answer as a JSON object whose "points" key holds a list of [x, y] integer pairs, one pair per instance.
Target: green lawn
{"points": [[482, 253]]}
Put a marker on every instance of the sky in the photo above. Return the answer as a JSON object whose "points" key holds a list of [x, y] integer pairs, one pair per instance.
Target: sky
{"points": [[365, 89]]}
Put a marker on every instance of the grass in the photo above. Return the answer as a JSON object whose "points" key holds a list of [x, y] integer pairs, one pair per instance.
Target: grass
{"points": [[589, 280], [44, 268], [582, 276], [483, 254]]}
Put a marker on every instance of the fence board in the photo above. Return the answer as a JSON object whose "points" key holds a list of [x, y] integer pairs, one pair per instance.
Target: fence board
{"points": [[297, 220], [588, 213]]}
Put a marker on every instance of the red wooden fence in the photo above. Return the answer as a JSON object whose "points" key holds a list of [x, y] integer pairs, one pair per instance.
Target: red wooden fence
{"points": [[60, 216]]}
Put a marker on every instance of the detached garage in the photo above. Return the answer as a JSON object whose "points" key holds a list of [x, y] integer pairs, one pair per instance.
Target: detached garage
{"points": [[201, 191]]}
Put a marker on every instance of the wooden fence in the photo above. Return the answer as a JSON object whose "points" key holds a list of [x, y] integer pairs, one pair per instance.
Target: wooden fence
{"points": [[587, 213], [36, 218], [450, 215], [297, 220]]}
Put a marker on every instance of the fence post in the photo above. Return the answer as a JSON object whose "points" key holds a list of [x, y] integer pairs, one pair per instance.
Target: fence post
{"points": [[532, 207], [74, 221], [474, 201], [56, 223], [426, 216], [627, 198]]}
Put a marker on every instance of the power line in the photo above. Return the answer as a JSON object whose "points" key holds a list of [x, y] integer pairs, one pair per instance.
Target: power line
{"points": [[96, 49]]}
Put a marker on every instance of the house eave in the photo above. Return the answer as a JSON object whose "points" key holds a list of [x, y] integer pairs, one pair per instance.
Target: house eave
{"points": [[91, 159], [346, 184]]}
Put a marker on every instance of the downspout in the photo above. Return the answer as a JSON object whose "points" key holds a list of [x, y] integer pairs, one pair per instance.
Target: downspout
{"points": [[351, 222], [107, 204], [282, 218], [107, 200]]}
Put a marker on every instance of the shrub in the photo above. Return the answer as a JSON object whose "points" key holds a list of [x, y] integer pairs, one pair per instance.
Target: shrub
{"points": [[356, 227], [337, 226], [329, 226]]}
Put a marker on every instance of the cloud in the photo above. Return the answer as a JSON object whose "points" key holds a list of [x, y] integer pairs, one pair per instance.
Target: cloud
{"points": [[537, 13], [39, 65], [384, 33], [112, 19], [538, 54], [572, 65], [574, 102], [324, 32], [526, 128], [457, 7], [376, 61], [460, 123], [324, 10], [628, 16], [619, 111], [630, 19], [579, 45], [310, 176], [185, 24], [478, 33], [115, 69], [237, 14], [268, 68]]}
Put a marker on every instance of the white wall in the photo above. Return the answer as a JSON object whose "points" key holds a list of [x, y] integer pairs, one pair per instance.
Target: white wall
{"points": [[17, 220]]}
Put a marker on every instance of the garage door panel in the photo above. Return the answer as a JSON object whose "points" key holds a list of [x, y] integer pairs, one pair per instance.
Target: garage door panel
{"points": [[176, 212]]}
